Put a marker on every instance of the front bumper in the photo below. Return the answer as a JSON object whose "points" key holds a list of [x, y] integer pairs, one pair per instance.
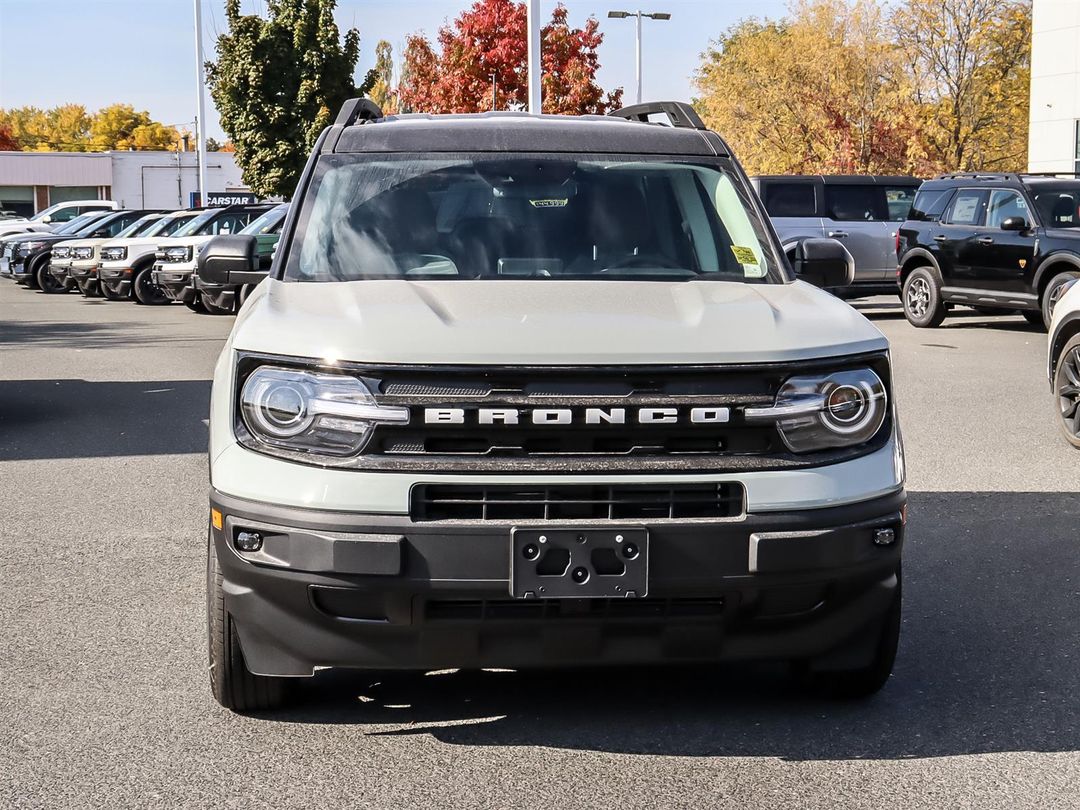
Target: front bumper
{"points": [[116, 279], [218, 295], [175, 281], [335, 589]]}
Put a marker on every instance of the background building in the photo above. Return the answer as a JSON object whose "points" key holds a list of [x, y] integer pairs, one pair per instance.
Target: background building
{"points": [[31, 181], [1054, 139]]}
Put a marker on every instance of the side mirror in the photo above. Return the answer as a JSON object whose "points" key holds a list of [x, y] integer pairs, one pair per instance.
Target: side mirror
{"points": [[824, 263], [231, 259], [1014, 224], [47, 219]]}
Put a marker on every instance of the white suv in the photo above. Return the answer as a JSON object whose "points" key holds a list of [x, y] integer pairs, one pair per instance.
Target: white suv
{"points": [[544, 391], [126, 264], [1063, 360]]}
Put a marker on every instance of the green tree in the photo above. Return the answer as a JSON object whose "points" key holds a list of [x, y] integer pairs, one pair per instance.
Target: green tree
{"points": [[382, 93], [278, 82]]}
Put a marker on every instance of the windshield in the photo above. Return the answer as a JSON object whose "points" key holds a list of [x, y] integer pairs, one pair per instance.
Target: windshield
{"points": [[270, 222], [530, 217], [193, 225], [139, 226], [169, 224], [80, 222], [1058, 205]]}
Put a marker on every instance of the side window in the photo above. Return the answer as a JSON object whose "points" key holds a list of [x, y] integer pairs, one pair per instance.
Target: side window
{"points": [[789, 199], [855, 203], [64, 215], [899, 199], [118, 224], [967, 208], [929, 205], [1005, 203]]}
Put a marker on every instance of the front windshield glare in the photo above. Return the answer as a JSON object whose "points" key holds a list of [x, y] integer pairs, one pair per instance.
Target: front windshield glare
{"points": [[194, 225], [530, 217]]}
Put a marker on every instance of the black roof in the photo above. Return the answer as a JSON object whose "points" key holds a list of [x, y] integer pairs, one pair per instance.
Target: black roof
{"points": [[521, 132], [842, 179], [1006, 179]]}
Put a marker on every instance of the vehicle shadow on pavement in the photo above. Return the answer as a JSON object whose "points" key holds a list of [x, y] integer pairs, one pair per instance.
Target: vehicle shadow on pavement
{"points": [[989, 662], [45, 419]]}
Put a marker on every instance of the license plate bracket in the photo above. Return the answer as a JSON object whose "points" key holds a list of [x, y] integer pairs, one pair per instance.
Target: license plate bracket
{"points": [[579, 563]]}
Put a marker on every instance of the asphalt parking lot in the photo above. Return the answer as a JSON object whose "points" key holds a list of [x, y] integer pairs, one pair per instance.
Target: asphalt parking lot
{"points": [[103, 691]]}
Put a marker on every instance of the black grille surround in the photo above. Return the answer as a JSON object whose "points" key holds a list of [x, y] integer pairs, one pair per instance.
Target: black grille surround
{"points": [[576, 502], [576, 448]]}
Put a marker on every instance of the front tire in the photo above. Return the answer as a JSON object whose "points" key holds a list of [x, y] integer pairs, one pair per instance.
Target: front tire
{"points": [[146, 291], [233, 685], [1052, 293], [47, 282], [88, 288], [921, 297], [1067, 390], [215, 309], [196, 304]]}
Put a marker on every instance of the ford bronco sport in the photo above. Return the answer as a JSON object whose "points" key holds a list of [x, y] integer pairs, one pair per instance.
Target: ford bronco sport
{"points": [[544, 391], [995, 242]]}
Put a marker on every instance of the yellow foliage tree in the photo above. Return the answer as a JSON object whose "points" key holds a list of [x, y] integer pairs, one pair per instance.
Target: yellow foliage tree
{"points": [[120, 126], [839, 87], [970, 63]]}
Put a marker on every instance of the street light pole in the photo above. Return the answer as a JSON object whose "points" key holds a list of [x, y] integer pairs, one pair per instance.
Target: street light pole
{"points": [[200, 122], [653, 15], [534, 67]]}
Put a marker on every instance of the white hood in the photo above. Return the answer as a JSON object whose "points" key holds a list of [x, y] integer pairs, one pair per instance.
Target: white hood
{"points": [[547, 322]]}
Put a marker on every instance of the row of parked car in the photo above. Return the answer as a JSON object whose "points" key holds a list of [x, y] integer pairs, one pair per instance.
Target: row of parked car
{"points": [[999, 243], [149, 256]]}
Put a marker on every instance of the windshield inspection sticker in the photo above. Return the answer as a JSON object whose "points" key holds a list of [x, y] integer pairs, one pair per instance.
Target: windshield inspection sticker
{"points": [[748, 259]]}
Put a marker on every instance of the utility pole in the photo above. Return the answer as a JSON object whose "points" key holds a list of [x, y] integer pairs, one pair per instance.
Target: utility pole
{"points": [[200, 121], [535, 104], [622, 15]]}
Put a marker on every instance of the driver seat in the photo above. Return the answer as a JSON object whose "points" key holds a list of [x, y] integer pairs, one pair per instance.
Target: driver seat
{"points": [[619, 226]]}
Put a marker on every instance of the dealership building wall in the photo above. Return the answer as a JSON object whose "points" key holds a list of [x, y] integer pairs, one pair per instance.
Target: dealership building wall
{"points": [[1054, 135], [31, 181]]}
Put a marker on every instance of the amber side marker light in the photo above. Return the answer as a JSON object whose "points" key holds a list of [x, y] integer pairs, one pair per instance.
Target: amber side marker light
{"points": [[215, 518]]}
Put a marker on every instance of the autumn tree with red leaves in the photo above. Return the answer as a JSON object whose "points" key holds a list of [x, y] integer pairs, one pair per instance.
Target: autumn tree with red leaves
{"points": [[490, 38], [7, 140]]}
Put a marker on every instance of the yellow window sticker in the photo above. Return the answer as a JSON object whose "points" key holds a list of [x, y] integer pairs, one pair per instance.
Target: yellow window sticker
{"points": [[744, 255]]}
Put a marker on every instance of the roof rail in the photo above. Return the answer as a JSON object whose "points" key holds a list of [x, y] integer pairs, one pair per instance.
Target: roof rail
{"points": [[1050, 174], [679, 113], [978, 176], [359, 110]]}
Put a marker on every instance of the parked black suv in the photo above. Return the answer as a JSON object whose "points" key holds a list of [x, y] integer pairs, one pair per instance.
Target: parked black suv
{"points": [[996, 242]]}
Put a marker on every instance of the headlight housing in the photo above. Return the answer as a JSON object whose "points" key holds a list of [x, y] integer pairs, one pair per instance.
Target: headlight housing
{"points": [[181, 253], [26, 248], [61, 253], [819, 412], [83, 253], [114, 254], [286, 411]]}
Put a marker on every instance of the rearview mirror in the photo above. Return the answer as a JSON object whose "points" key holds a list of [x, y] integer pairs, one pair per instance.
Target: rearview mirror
{"points": [[1014, 224], [231, 259], [824, 263]]}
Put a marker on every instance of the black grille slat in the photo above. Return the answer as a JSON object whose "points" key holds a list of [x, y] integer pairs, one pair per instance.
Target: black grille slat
{"points": [[432, 502]]}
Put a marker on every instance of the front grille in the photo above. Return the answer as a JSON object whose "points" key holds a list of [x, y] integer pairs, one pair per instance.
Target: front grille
{"points": [[576, 502]]}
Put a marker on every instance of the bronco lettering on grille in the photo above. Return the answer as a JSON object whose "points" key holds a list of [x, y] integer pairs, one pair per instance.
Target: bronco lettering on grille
{"points": [[567, 416]]}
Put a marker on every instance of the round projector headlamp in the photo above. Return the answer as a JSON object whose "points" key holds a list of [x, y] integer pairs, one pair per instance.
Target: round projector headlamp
{"points": [[278, 407]]}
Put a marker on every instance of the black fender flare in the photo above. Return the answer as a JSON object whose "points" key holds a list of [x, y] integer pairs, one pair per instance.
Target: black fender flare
{"points": [[1066, 329], [1057, 258], [920, 254], [34, 264]]}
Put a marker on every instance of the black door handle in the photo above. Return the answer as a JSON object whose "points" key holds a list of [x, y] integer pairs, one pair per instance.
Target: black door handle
{"points": [[985, 240], [941, 238]]}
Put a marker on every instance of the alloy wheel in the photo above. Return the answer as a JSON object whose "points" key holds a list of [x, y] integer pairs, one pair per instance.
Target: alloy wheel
{"points": [[1069, 392], [918, 297]]}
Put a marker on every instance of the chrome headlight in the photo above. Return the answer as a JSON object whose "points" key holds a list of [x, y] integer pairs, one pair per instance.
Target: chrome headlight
{"points": [[61, 253], [114, 254], [309, 412], [83, 253], [178, 254], [819, 412]]}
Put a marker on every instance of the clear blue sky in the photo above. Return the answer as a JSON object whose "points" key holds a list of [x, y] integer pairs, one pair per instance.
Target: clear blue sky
{"points": [[97, 52]]}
